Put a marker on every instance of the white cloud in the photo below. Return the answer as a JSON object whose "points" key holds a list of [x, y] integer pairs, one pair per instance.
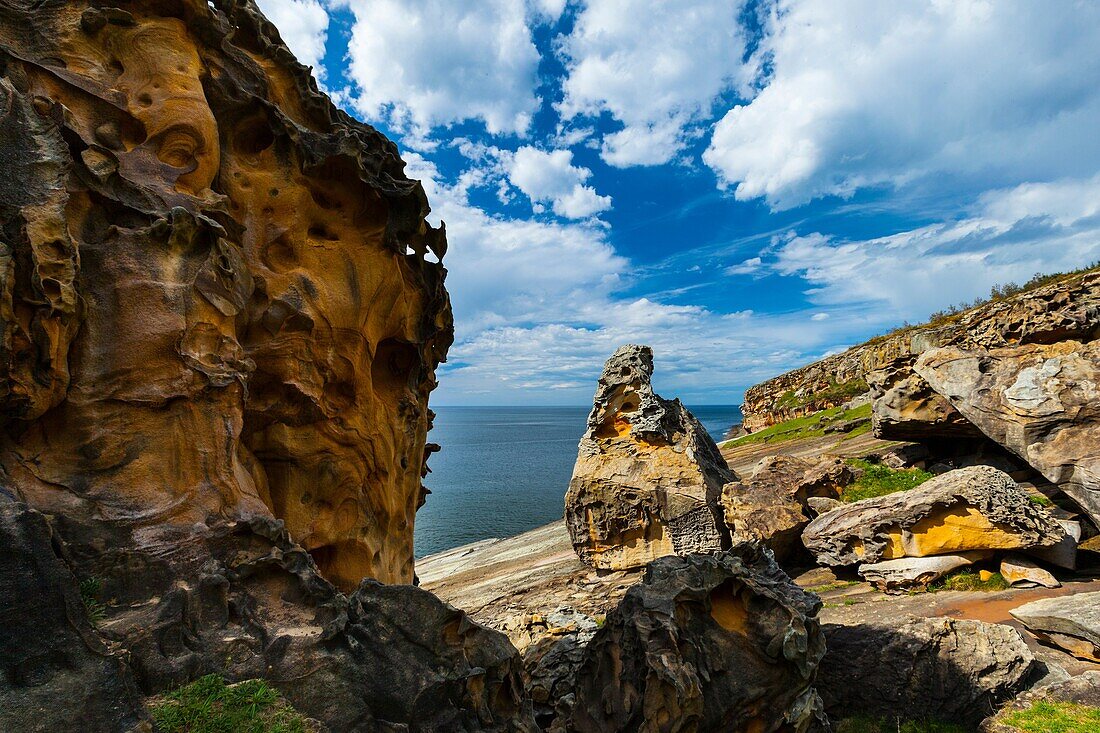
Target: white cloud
{"points": [[551, 177], [749, 266], [819, 317], [1013, 234], [855, 93], [428, 63], [303, 25], [654, 65]]}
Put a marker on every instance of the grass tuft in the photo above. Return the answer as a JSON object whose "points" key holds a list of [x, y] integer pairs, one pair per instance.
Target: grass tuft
{"points": [[209, 705], [1055, 717], [89, 596], [878, 480], [970, 580]]}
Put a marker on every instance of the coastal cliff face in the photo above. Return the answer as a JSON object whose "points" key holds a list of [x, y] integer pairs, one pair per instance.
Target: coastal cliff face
{"points": [[906, 407], [216, 296]]}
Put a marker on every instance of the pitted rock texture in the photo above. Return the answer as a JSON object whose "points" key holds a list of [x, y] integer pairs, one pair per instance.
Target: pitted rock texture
{"points": [[703, 643], [55, 673], [648, 476], [942, 669], [772, 505], [1041, 401], [976, 508], [216, 298]]}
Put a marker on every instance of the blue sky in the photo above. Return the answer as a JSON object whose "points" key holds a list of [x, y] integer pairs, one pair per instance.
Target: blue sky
{"points": [[746, 186]]}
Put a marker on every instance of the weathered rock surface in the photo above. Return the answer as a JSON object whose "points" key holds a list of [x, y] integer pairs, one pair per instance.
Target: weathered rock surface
{"points": [[244, 601], [772, 505], [905, 405], [909, 573], [933, 668], [1041, 401], [215, 296], [704, 643], [976, 508], [648, 477], [57, 675], [1018, 570], [1070, 622]]}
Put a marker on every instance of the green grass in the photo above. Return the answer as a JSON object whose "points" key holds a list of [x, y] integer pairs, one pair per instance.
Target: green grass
{"points": [[834, 393], [862, 724], [209, 705], [879, 480], [970, 580], [1055, 717], [1040, 500], [808, 426], [89, 596]]}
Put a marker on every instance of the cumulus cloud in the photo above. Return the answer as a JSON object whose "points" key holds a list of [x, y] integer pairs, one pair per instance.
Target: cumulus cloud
{"points": [[856, 93], [303, 25], [426, 63], [551, 177], [654, 65], [1012, 235]]}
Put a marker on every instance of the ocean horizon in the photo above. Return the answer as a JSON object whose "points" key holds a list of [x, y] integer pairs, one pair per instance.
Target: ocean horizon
{"points": [[504, 470]]}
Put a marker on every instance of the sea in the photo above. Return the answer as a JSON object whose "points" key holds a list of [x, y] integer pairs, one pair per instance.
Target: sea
{"points": [[504, 470]]}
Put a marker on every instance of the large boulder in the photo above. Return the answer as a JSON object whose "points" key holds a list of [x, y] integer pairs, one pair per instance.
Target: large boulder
{"points": [[244, 601], [1041, 401], [909, 573], [648, 476], [773, 504], [56, 674], [703, 643], [216, 296], [1070, 622], [975, 508], [950, 670]]}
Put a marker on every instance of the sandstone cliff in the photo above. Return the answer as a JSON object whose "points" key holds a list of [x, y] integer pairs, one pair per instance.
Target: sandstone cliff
{"points": [[906, 408], [216, 297]]}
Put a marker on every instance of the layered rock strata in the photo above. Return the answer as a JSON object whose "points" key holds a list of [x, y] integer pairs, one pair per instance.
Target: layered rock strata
{"points": [[648, 476], [703, 643], [216, 294], [1041, 401], [1070, 622], [976, 508]]}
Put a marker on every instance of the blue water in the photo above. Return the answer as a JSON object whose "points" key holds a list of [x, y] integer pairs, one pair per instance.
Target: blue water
{"points": [[504, 470]]}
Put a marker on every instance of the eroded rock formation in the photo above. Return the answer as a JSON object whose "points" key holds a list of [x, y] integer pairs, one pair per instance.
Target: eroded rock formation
{"points": [[703, 643], [55, 673], [648, 477], [906, 407], [1041, 401], [937, 669], [976, 508], [772, 505], [215, 290]]}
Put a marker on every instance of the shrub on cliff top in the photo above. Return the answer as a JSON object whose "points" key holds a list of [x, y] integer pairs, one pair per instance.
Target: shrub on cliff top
{"points": [[209, 705]]}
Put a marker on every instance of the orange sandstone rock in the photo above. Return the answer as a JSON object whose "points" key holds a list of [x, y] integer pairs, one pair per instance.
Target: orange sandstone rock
{"points": [[216, 298]]}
